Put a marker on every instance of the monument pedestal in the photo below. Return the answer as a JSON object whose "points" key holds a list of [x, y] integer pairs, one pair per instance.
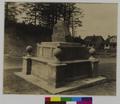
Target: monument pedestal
{"points": [[68, 86], [60, 66]]}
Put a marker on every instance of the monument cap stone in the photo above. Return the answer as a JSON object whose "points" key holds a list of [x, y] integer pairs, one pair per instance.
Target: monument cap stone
{"points": [[60, 31]]}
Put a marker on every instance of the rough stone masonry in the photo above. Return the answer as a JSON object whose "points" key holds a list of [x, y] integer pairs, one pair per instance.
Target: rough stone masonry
{"points": [[60, 31]]}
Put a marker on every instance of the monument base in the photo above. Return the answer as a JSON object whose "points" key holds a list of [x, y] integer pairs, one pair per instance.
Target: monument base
{"points": [[60, 66], [62, 51], [60, 73], [69, 86]]}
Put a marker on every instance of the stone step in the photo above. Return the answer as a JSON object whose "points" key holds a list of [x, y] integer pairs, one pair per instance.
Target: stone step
{"points": [[69, 86]]}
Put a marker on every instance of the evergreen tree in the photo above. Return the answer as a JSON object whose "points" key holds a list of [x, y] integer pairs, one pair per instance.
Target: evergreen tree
{"points": [[44, 14], [47, 14]]}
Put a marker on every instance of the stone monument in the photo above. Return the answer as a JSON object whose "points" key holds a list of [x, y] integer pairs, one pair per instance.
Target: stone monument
{"points": [[59, 65], [60, 31]]}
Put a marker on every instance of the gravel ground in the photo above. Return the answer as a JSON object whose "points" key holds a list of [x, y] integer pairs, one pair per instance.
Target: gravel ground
{"points": [[16, 85]]}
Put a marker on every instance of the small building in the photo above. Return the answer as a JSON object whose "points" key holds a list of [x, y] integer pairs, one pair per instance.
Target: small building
{"points": [[111, 43], [94, 41]]}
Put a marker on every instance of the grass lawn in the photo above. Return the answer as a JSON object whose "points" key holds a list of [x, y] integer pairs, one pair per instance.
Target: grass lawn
{"points": [[16, 85]]}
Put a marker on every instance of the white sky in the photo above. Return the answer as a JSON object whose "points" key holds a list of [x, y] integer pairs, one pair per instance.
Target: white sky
{"points": [[99, 19]]}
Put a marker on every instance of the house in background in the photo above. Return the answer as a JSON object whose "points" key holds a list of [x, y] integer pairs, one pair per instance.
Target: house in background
{"points": [[94, 41], [111, 43]]}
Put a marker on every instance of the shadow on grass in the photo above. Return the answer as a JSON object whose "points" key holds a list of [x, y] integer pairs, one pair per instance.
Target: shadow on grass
{"points": [[108, 70], [16, 85]]}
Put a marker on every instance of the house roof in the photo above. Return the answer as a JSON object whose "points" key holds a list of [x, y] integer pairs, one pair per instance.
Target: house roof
{"points": [[92, 39], [111, 39]]}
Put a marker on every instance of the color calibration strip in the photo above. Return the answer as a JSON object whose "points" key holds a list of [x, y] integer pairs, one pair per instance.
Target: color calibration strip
{"points": [[68, 100]]}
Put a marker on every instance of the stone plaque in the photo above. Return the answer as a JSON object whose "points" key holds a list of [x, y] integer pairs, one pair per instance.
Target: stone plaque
{"points": [[60, 31]]}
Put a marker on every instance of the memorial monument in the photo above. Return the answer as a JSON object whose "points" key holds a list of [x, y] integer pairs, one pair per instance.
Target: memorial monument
{"points": [[60, 65]]}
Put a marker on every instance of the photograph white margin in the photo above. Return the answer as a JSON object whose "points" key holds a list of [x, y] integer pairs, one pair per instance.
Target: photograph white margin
{"points": [[39, 99]]}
